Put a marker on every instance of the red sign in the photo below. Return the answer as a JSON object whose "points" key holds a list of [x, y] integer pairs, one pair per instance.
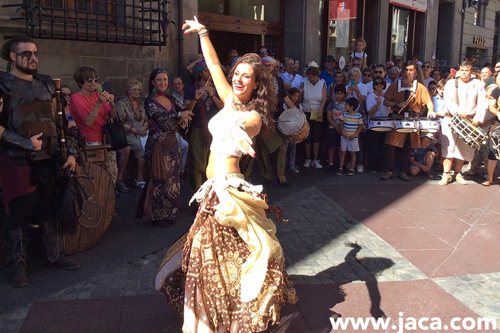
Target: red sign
{"points": [[337, 8]]}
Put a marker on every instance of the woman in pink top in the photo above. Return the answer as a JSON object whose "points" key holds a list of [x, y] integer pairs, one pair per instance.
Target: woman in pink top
{"points": [[90, 110]]}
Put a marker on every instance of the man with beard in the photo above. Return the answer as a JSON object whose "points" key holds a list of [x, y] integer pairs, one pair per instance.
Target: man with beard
{"points": [[29, 163], [200, 97]]}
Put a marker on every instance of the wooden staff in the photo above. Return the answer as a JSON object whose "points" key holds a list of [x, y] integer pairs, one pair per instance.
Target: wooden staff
{"points": [[60, 118]]}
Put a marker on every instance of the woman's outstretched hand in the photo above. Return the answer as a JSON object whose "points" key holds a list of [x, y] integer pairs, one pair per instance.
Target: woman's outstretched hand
{"points": [[242, 140], [192, 26]]}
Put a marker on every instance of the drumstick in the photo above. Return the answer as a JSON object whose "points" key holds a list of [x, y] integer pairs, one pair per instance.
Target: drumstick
{"points": [[412, 96]]}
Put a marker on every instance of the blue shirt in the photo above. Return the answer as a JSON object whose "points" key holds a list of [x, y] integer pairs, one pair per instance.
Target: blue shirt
{"points": [[438, 104], [418, 154], [329, 78]]}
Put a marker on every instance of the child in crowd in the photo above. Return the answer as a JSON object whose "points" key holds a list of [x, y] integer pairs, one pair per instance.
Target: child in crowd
{"points": [[360, 46], [352, 124], [421, 159], [432, 88], [334, 112], [291, 148], [440, 110]]}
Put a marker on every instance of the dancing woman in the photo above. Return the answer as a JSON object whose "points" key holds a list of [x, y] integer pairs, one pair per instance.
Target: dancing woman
{"points": [[233, 276]]}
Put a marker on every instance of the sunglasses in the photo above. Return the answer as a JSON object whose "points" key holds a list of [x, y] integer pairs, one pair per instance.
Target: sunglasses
{"points": [[66, 94], [265, 52], [427, 66], [434, 88], [378, 83], [366, 74], [93, 79], [379, 72], [27, 54]]}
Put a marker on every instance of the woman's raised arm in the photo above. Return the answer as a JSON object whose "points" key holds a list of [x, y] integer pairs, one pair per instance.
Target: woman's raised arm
{"points": [[213, 64]]}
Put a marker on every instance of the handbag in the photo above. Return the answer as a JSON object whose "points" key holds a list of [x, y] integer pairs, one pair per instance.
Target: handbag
{"points": [[115, 133], [314, 113]]}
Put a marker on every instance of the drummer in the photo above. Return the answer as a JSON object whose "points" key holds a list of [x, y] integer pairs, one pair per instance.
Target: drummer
{"points": [[465, 96], [396, 97]]}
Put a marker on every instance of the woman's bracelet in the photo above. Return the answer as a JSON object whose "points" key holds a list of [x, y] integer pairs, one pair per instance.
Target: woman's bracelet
{"points": [[202, 32], [92, 114]]}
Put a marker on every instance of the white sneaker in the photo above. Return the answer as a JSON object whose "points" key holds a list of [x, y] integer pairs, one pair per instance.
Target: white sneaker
{"points": [[307, 163], [361, 168], [316, 164]]}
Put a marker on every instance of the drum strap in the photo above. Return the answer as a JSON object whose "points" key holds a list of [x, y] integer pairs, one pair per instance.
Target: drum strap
{"points": [[456, 91]]}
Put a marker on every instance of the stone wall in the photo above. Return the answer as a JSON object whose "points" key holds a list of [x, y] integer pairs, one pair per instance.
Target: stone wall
{"points": [[113, 61]]}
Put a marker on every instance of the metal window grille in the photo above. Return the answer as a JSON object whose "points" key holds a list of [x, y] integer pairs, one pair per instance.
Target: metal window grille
{"points": [[142, 22]]}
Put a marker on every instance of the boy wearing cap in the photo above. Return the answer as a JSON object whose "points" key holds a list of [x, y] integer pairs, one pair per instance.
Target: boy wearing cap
{"points": [[421, 159]]}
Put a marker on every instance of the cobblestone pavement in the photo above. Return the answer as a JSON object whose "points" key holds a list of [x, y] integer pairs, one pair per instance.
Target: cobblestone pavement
{"points": [[323, 244]]}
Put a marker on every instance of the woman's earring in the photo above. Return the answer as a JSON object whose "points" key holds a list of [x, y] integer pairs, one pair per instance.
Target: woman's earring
{"points": [[155, 91]]}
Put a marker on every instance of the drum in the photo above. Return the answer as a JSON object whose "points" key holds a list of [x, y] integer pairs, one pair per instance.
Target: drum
{"points": [[293, 125], [470, 134], [495, 141], [406, 125], [381, 124], [429, 125]]}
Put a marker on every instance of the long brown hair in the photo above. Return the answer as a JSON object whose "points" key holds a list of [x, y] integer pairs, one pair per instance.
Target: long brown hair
{"points": [[263, 99]]}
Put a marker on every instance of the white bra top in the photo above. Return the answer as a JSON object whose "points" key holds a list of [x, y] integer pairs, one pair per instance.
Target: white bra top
{"points": [[220, 125]]}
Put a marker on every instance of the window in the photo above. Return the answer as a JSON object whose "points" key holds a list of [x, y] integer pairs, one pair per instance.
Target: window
{"points": [[118, 21], [480, 14]]}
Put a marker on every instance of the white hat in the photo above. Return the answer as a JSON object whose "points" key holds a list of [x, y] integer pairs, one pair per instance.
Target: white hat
{"points": [[430, 136], [313, 64]]}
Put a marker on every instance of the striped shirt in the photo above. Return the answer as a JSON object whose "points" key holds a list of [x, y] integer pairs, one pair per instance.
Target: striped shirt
{"points": [[351, 122]]}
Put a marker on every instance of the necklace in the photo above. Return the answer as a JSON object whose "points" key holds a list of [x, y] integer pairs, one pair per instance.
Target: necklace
{"points": [[238, 106], [92, 106], [137, 111]]}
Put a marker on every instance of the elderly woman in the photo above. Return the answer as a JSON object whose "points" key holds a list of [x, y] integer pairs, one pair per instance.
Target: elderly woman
{"points": [[90, 110], [133, 115], [314, 101], [163, 152]]}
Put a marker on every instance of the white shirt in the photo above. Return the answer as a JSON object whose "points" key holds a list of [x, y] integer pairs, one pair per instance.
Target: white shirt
{"points": [[288, 78], [297, 81]]}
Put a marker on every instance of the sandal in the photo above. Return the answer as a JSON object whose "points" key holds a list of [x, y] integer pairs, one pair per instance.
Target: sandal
{"points": [[428, 175], [351, 172], [388, 175], [139, 184], [404, 176], [438, 167], [486, 183]]}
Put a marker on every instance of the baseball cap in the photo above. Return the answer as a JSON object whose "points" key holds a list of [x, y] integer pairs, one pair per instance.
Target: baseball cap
{"points": [[329, 58]]}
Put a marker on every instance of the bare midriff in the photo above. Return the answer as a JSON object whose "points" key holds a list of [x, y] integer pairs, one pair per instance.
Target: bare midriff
{"points": [[222, 164]]}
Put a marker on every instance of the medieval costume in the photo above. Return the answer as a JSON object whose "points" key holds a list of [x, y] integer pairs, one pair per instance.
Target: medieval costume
{"points": [[33, 185]]}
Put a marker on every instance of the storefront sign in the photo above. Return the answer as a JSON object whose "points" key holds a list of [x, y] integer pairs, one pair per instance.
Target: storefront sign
{"points": [[418, 5], [338, 10], [479, 41], [342, 30]]}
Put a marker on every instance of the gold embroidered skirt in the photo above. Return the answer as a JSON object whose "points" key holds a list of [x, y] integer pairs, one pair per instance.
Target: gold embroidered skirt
{"points": [[227, 273]]}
